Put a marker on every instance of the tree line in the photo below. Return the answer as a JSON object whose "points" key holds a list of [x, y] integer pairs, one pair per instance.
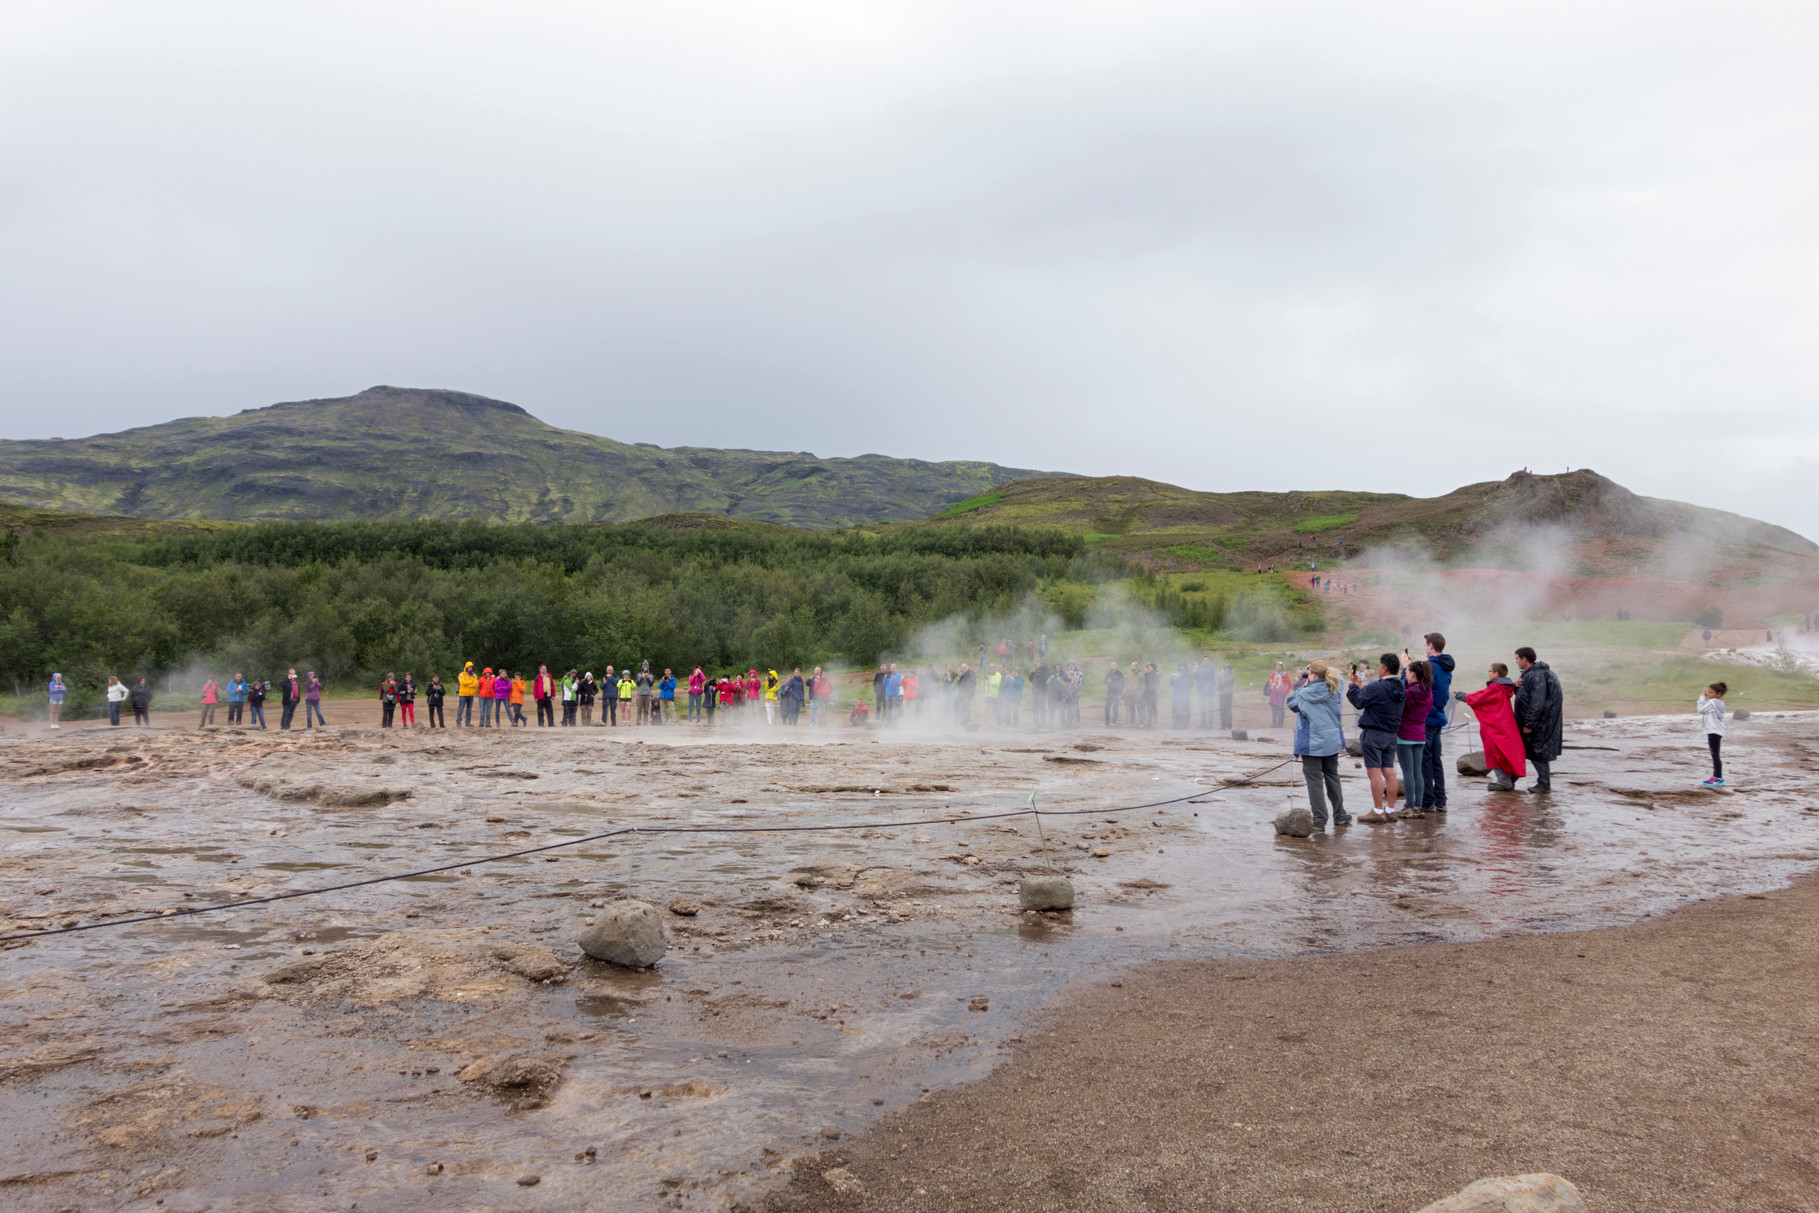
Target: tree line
{"points": [[355, 599]]}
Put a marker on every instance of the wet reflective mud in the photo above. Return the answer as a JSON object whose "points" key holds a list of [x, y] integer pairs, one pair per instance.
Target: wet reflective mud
{"points": [[440, 1042]]}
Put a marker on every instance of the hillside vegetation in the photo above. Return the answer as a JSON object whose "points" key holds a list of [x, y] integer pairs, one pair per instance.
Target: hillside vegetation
{"points": [[1578, 522], [406, 453]]}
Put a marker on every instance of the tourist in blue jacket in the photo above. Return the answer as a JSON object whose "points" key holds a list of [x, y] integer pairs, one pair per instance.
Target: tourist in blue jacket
{"points": [[1379, 705], [1433, 775], [1319, 740]]}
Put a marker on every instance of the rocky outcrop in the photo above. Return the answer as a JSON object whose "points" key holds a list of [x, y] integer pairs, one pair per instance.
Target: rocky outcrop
{"points": [[1537, 1193]]}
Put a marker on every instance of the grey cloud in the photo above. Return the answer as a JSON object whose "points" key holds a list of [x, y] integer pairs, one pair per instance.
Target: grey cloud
{"points": [[1232, 247]]}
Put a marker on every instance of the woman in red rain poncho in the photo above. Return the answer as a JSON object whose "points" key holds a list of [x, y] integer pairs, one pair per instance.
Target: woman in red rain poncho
{"points": [[1497, 726]]}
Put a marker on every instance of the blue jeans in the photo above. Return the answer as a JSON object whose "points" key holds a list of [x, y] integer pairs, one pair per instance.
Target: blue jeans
{"points": [[258, 713], [1408, 755], [290, 711], [464, 710], [694, 705], [1433, 775], [312, 710], [486, 711]]}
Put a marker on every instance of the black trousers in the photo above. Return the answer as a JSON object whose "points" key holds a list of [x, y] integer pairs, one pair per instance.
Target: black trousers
{"points": [[435, 717], [1716, 742], [546, 714], [233, 711]]}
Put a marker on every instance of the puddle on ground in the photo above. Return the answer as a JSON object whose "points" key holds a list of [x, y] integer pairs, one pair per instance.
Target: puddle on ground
{"points": [[825, 978]]}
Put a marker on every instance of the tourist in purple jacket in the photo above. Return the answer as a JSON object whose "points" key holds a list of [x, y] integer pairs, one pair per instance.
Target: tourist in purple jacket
{"points": [[1411, 738]]}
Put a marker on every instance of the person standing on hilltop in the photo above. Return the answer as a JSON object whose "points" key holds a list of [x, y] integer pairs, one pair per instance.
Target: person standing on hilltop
{"points": [[1541, 715], [1433, 773]]}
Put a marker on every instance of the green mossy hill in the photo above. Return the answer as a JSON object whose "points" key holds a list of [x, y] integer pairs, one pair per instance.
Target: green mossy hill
{"points": [[1578, 522], [400, 453]]}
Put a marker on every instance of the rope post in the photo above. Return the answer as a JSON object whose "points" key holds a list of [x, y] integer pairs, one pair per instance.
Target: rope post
{"points": [[1041, 837]]}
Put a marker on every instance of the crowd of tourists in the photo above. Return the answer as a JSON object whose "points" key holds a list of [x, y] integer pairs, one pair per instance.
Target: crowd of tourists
{"points": [[1400, 708], [1401, 716]]}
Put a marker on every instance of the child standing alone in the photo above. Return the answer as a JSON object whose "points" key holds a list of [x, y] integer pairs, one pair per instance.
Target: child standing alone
{"points": [[1711, 714]]}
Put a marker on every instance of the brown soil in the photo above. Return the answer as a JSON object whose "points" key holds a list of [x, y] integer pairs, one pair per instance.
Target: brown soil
{"points": [[1663, 1066]]}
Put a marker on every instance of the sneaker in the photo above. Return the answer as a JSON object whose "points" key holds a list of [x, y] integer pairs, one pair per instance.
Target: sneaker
{"points": [[1710, 783], [1341, 821], [1436, 808]]}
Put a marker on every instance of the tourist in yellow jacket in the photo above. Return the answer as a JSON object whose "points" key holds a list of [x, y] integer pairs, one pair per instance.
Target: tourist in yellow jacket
{"points": [[466, 687], [771, 683]]}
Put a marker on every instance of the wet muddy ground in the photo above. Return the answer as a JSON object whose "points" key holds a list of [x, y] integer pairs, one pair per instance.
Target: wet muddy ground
{"points": [[440, 1041]]}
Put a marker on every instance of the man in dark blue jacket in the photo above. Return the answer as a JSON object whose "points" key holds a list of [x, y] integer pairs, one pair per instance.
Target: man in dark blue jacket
{"points": [[1433, 776], [1379, 707]]}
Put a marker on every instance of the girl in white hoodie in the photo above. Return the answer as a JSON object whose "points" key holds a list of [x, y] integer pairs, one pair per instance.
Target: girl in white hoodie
{"points": [[1711, 714]]}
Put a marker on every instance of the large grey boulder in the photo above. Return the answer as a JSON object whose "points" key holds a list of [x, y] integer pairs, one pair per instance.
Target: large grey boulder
{"points": [[1538, 1193], [1472, 764], [628, 933], [1046, 893], [1298, 822], [1354, 745]]}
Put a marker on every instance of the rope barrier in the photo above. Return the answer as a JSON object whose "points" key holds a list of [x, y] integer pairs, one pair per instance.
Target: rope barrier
{"points": [[190, 911]]}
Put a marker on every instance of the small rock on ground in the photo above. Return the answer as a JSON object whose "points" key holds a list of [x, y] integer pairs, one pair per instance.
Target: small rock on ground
{"points": [[1472, 763], [1298, 822], [1046, 893], [627, 933], [1537, 1193]]}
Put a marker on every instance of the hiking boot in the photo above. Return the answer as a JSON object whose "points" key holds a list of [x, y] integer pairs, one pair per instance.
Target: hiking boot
{"points": [[1436, 808], [1541, 788], [1341, 821]]}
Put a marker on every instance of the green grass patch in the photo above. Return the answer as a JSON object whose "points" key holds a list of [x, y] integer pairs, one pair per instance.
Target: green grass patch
{"points": [[1199, 553], [1326, 522], [1233, 542], [971, 504]]}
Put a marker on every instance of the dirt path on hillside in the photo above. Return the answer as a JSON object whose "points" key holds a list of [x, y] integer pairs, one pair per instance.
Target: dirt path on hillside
{"points": [[1661, 1067]]}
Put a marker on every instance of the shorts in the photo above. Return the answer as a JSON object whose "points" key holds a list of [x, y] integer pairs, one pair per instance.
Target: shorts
{"points": [[1378, 746]]}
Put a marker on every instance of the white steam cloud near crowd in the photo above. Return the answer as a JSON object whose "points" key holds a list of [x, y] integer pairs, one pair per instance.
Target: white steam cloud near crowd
{"points": [[1229, 245]]}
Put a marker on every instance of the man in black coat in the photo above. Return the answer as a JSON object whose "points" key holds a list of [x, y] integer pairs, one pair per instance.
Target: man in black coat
{"points": [[1540, 714]]}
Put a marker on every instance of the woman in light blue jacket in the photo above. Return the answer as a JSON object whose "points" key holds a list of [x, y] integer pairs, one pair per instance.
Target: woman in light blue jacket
{"points": [[1319, 740]]}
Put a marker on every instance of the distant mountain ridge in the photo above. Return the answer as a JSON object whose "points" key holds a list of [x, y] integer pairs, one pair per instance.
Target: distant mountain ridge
{"points": [[1578, 521], [395, 453]]}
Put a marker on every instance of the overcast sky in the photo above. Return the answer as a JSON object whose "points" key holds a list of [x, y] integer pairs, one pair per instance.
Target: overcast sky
{"points": [[1272, 245]]}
